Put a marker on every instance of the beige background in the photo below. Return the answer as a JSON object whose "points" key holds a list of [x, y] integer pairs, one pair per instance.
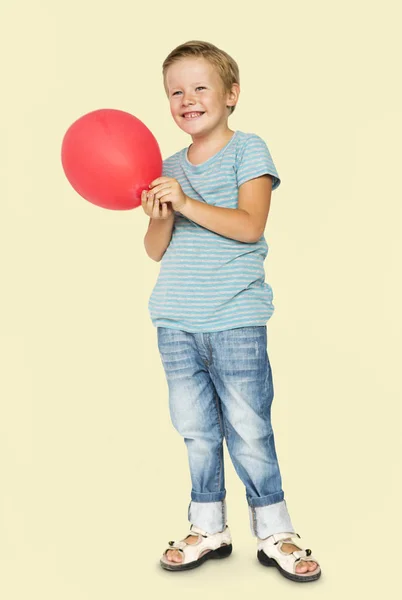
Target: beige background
{"points": [[93, 477]]}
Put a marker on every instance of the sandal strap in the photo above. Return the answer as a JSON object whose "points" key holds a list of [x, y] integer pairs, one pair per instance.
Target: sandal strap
{"points": [[176, 545], [303, 554], [181, 544], [280, 537], [298, 554], [194, 529]]}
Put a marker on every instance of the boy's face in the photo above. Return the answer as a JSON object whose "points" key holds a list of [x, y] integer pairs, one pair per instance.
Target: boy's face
{"points": [[194, 86]]}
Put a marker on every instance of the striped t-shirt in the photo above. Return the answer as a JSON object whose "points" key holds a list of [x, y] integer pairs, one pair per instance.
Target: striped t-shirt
{"points": [[208, 282]]}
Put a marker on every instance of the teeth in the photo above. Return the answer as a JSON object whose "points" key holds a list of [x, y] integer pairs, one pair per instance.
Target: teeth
{"points": [[193, 115]]}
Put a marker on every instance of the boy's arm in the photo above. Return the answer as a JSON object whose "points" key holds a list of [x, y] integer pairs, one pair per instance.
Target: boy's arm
{"points": [[158, 236], [245, 223]]}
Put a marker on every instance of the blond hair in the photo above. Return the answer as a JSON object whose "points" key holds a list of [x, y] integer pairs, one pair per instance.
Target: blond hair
{"points": [[225, 65]]}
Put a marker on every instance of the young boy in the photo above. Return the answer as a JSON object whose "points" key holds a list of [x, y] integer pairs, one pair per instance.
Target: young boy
{"points": [[211, 305]]}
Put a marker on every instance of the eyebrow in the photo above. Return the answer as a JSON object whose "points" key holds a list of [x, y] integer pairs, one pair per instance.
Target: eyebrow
{"points": [[195, 83]]}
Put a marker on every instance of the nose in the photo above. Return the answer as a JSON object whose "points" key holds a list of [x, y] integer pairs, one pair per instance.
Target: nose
{"points": [[187, 100]]}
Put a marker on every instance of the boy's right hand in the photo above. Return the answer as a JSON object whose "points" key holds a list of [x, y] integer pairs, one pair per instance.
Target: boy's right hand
{"points": [[155, 209]]}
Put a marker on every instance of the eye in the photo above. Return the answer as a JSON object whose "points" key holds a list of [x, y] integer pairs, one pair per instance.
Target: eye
{"points": [[200, 87], [174, 93]]}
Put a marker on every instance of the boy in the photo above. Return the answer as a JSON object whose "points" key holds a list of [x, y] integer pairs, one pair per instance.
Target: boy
{"points": [[211, 305]]}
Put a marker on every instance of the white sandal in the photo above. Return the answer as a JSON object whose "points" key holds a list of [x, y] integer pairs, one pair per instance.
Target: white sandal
{"points": [[270, 554], [217, 545]]}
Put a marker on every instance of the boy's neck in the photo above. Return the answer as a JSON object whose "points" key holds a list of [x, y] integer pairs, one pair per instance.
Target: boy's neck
{"points": [[212, 141]]}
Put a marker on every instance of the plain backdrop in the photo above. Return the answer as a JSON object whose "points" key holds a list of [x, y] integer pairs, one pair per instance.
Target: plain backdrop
{"points": [[93, 478]]}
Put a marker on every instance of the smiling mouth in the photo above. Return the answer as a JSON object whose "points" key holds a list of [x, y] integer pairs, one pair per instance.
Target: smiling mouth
{"points": [[192, 115]]}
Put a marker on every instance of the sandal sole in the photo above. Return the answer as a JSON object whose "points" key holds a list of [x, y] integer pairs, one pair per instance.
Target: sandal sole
{"points": [[222, 552], [271, 562]]}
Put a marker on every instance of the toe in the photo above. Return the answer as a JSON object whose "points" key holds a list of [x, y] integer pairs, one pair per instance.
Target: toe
{"points": [[174, 556], [306, 566], [302, 567]]}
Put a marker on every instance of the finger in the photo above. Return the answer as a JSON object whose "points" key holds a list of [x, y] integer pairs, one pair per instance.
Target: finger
{"points": [[150, 200], [158, 181], [156, 210], [144, 203], [163, 194], [159, 188], [164, 211]]}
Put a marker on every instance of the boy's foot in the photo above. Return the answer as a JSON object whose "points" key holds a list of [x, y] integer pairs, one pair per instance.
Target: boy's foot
{"points": [[292, 561], [194, 550], [176, 555], [304, 565]]}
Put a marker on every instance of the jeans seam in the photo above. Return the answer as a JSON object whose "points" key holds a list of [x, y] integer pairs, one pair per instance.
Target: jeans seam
{"points": [[224, 430], [254, 519], [220, 449], [221, 425], [223, 515], [210, 349]]}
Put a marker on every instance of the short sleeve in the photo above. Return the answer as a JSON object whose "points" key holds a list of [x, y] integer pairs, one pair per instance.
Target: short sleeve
{"points": [[169, 166], [165, 168], [254, 160]]}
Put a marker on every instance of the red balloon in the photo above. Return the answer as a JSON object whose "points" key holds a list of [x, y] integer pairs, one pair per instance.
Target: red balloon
{"points": [[109, 156]]}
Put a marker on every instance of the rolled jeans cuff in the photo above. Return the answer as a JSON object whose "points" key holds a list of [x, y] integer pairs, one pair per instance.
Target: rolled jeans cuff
{"points": [[270, 519], [208, 497], [208, 516], [265, 500]]}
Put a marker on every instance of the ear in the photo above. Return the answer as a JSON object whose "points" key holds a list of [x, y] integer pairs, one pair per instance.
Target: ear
{"points": [[232, 97]]}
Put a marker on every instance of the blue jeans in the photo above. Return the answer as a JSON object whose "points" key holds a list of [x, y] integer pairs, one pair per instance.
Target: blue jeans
{"points": [[220, 387]]}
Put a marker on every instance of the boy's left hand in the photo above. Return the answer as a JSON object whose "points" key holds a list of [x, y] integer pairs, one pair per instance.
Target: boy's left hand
{"points": [[167, 189]]}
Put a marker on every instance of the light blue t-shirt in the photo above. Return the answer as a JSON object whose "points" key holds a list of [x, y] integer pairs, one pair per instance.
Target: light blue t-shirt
{"points": [[208, 282]]}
